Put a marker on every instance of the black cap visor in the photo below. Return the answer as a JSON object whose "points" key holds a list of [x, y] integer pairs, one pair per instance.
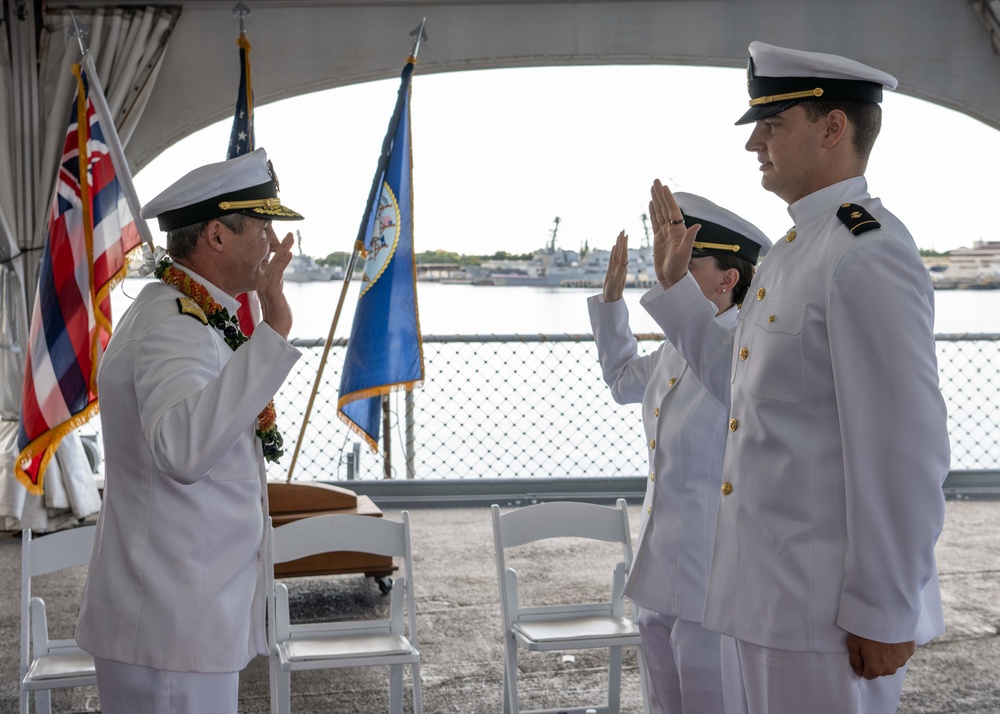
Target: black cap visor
{"points": [[815, 88], [766, 110]]}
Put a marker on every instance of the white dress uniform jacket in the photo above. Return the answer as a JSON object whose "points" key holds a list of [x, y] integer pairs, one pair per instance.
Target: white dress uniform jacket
{"points": [[838, 439], [176, 580], [685, 439]]}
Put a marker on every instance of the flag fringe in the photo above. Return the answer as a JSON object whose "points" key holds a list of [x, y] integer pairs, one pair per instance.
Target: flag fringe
{"points": [[372, 444], [379, 391], [115, 280], [46, 444]]}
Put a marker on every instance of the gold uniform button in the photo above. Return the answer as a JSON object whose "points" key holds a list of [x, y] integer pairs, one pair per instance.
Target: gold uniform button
{"points": [[734, 424], [744, 353], [649, 509], [672, 382], [790, 236], [652, 443], [652, 475], [761, 293], [727, 488], [656, 412], [770, 318]]}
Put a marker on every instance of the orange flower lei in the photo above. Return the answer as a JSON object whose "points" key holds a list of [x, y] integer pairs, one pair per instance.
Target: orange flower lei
{"points": [[229, 326]]}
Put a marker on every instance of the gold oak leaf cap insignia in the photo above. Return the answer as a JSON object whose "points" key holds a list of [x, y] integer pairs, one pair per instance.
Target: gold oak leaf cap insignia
{"points": [[188, 306], [857, 219]]}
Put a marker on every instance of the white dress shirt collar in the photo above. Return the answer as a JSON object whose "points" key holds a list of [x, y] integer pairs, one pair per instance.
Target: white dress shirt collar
{"points": [[852, 190]]}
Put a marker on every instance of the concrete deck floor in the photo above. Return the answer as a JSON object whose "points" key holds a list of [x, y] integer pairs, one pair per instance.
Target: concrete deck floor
{"points": [[458, 621]]}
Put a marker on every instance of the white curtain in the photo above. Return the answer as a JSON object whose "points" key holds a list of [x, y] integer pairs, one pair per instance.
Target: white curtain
{"points": [[36, 95]]}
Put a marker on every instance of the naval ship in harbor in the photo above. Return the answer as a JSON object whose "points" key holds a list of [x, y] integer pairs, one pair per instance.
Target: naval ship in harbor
{"points": [[554, 267], [304, 269]]}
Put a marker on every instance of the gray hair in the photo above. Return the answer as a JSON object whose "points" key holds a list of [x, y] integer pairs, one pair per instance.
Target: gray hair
{"points": [[181, 241]]}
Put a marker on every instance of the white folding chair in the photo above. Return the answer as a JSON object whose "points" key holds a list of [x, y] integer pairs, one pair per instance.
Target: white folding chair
{"points": [[50, 664], [565, 627], [354, 643]]}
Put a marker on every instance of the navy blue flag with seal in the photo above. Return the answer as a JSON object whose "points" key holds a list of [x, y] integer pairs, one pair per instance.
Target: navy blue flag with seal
{"points": [[384, 352]]}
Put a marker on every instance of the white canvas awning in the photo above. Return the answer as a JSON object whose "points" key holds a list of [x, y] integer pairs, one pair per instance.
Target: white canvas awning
{"points": [[943, 51]]}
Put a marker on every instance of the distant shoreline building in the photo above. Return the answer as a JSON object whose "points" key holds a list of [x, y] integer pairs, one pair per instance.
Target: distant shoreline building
{"points": [[977, 267], [982, 258]]}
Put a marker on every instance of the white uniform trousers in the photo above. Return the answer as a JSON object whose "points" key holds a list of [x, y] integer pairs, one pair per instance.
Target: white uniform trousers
{"points": [[762, 680], [683, 661], [131, 689]]}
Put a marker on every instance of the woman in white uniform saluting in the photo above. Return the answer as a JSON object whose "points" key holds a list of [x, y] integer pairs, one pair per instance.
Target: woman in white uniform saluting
{"points": [[685, 438]]}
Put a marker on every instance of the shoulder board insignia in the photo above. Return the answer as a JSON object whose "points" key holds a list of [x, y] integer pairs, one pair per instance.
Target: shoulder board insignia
{"points": [[857, 219], [188, 306]]}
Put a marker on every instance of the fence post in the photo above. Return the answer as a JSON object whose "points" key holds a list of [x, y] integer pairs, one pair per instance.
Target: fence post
{"points": [[410, 440]]}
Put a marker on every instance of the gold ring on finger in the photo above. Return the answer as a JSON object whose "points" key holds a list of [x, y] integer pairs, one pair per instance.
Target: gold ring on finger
{"points": [[677, 223]]}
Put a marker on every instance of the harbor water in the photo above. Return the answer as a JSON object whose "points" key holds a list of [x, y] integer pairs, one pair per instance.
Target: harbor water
{"points": [[449, 309], [470, 424]]}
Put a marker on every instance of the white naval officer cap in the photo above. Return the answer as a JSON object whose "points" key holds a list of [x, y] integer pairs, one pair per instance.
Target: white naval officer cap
{"points": [[778, 78], [246, 184], [722, 232]]}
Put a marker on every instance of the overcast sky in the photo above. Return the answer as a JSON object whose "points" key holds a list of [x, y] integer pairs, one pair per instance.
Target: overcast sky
{"points": [[499, 153]]}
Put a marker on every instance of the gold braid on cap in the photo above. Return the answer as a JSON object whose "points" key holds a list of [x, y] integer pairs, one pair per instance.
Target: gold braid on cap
{"points": [[818, 92], [254, 203], [716, 246]]}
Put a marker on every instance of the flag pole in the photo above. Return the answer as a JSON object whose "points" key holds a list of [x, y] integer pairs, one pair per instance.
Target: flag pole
{"points": [[359, 245], [113, 142]]}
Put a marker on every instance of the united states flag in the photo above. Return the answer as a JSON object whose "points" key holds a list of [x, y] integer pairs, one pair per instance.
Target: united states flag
{"points": [[91, 233], [242, 141]]}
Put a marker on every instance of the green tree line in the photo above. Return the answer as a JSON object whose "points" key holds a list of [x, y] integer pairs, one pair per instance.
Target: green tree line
{"points": [[340, 258]]}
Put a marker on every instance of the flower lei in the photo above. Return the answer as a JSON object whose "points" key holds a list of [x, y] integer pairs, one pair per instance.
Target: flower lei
{"points": [[229, 326]]}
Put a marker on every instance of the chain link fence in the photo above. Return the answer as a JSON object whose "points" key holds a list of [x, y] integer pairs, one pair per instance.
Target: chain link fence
{"points": [[523, 406], [971, 387]]}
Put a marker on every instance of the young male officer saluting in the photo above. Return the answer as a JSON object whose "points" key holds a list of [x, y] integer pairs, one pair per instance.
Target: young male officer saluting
{"points": [[823, 574]]}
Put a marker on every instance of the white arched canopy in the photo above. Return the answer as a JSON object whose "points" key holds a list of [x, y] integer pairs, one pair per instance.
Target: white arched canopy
{"points": [[943, 51]]}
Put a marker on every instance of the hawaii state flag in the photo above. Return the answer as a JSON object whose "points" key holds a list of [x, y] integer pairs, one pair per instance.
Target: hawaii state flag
{"points": [[384, 352], [242, 141], [92, 232]]}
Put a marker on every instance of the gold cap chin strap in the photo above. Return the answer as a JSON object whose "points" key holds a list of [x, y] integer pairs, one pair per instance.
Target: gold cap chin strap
{"points": [[818, 92], [716, 246]]}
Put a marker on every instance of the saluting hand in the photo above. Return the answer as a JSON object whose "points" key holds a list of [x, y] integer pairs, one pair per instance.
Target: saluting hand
{"points": [[871, 659], [271, 289], [614, 279], [672, 240]]}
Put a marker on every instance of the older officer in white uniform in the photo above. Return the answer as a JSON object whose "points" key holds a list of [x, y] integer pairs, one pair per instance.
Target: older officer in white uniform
{"points": [[823, 571], [173, 606], [686, 439]]}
